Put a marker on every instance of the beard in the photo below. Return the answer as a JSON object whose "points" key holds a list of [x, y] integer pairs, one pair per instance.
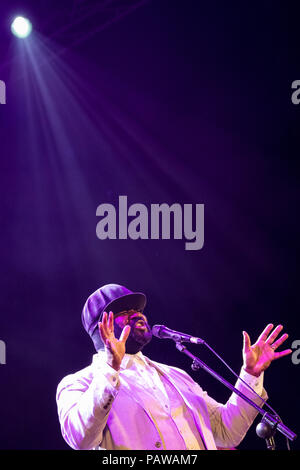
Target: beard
{"points": [[138, 337]]}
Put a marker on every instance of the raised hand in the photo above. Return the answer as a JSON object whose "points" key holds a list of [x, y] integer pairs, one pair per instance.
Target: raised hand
{"points": [[114, 348], [258, 357]]}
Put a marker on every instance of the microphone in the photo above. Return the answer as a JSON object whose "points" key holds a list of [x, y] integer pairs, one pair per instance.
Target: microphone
{"points": [[161, 331]]}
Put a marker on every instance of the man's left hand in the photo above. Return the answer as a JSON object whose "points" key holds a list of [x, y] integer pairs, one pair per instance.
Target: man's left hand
{"points": [[258, 357]]}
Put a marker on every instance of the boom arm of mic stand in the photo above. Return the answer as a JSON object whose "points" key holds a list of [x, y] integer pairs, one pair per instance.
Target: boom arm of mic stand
{"points": [[267, 416]]}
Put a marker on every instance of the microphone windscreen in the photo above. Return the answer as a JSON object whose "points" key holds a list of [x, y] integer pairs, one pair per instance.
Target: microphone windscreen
{"points": [[156, 330]]}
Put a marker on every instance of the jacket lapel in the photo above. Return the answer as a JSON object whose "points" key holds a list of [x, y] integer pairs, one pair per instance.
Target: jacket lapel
{"points": [[203, 427]]}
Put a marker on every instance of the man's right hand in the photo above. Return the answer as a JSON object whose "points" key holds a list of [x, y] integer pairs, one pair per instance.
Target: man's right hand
{"points": [[114, 348]]}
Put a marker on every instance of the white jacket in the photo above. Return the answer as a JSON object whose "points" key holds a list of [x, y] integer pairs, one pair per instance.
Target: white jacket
{"points": [[99, 409]]}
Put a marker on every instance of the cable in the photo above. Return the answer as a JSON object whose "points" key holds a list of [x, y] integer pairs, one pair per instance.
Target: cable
{"points": [[247, 385]]}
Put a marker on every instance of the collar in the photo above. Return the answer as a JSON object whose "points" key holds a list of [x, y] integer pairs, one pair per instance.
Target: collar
{"points": [[127, 359]]}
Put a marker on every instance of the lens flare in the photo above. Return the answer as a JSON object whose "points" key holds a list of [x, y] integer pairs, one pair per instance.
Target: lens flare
{"points": [[21, 27]]}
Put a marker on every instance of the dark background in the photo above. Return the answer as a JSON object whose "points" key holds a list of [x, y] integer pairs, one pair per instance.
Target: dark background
{"points": [[178, 101]]}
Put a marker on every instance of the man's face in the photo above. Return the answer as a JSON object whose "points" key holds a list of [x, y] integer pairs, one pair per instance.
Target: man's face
{"points": [[140, 333]]}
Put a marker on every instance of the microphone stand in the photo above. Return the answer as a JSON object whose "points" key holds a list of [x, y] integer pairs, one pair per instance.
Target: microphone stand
{"points": [[269, 423]]}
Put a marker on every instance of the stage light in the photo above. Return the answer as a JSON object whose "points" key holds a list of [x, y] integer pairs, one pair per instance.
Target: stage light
{"points": [[21, 27]]}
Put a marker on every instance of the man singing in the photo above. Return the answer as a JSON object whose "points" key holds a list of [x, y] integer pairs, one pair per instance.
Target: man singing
{"points": [[125, 401]]}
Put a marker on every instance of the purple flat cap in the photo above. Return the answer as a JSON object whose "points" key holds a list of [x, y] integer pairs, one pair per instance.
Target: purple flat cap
{"points": [[111, 297]]}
